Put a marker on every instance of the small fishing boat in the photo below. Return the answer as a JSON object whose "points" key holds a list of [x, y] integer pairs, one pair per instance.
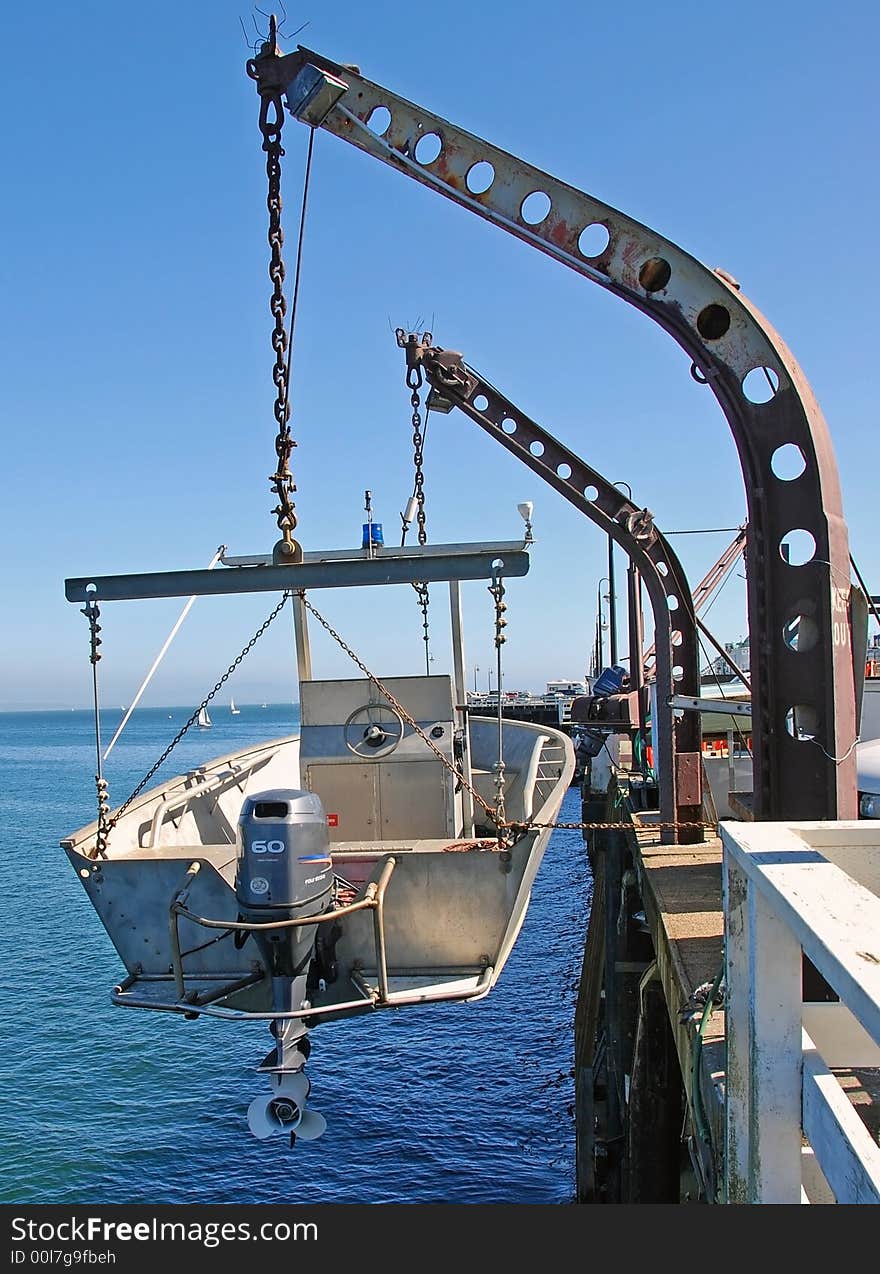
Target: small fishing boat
{"points": [[381, 858]]}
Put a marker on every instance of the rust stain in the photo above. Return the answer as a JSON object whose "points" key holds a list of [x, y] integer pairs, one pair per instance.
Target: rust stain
{"points": [[467, 846], [561, 234]]}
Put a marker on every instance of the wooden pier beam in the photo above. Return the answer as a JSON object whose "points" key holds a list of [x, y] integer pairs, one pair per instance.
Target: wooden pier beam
{"points": [[655, 1109]]}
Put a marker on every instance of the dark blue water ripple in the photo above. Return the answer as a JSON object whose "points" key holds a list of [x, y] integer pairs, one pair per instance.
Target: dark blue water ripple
{"points": [[451, 1103]]}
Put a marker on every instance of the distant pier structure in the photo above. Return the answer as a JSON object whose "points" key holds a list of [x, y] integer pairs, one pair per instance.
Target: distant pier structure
{"points": [[553, 707]]}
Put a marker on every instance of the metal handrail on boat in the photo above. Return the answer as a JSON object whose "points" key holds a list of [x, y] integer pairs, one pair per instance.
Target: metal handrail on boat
{"points": [[181, 796], [531, 776], [203, 782], [370, 999], [373, 899]]}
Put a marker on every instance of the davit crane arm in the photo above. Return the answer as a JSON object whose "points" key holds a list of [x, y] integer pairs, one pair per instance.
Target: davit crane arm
{"points": [[803, 691], [455, 384]]}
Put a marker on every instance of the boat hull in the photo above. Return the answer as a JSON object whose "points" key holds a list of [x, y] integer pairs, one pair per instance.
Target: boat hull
{"points": [[416, 919]]}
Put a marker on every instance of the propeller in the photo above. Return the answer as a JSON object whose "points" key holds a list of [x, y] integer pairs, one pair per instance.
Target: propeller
{"points": [[284, 1110]]}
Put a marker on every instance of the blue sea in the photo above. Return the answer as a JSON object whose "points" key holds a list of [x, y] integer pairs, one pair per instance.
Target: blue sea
{"points": [[455, 1103]]}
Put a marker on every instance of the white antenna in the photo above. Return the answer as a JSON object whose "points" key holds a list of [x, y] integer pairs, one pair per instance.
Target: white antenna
{"points": [[168, 640]]}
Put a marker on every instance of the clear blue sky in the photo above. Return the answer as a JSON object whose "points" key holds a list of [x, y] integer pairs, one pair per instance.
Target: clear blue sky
{"points": [[136, 390]]}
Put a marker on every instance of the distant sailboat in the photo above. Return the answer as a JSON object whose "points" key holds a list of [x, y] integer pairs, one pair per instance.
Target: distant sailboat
{"points": [[204, 720], [232, 708]]}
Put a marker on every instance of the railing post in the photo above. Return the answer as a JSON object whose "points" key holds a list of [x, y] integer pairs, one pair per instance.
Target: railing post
{"points": [[737, 1078], [776, 1056]]}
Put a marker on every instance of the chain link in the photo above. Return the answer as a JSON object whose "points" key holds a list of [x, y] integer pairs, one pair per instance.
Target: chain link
{"points": [[400, 710], [271, 122], [505, 828], [418, 463], [92, 612], [597, 827], [496, 588], [414, 381]]}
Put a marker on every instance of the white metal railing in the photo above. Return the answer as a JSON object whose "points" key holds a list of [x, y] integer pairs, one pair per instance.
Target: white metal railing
{"points": [[795, 889]]}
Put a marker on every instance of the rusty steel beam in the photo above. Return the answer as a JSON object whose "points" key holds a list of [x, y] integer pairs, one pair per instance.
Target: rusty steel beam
{"points": [[454, 384], [804, 710]]}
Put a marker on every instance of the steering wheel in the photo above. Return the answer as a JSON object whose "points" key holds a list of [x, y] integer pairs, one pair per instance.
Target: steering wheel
{"points": [[373, 731]]}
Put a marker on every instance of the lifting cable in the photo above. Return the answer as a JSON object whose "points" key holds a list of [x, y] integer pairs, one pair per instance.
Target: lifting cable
{"points": [[161, 655]]}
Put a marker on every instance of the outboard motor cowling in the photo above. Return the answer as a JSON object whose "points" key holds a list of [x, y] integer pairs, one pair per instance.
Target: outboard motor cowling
{"points": [[284, 872], [283, 854]]}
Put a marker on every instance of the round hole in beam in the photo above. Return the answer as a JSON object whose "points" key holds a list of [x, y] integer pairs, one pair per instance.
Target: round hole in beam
{"points": [[536, 448], [508, 425], [428, 148], [655, 274], [593, 239], [677, 672], [713, 322], [591, 494], [662, 568], [379, 120], [788, 462], [672, 601], [675, 637], [480, 177], [760, 384], [481, 402], [797, 547], [802, 722], [563, 470], [800, 633], [535, 207]]}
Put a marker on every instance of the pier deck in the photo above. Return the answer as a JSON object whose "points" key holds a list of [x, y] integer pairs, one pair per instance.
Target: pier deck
{"points": [[650, 1059]]}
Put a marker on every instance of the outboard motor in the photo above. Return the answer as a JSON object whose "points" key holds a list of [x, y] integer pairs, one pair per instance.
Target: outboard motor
{"points": [[284, 872]]}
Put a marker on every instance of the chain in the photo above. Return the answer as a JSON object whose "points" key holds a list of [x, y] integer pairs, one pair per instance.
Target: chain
{"points": [[402, 713], [496, 588], [195, 716], [92, 612], [498, 819], [271, 122], [418, 451], [414, 381], [597, 827]]}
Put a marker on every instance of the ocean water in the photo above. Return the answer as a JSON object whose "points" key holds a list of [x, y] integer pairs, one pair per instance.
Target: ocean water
{"points": [[455, 1103]]}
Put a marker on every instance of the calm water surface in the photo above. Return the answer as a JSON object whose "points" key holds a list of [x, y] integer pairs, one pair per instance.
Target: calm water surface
{"points": [[451, 1103]]}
